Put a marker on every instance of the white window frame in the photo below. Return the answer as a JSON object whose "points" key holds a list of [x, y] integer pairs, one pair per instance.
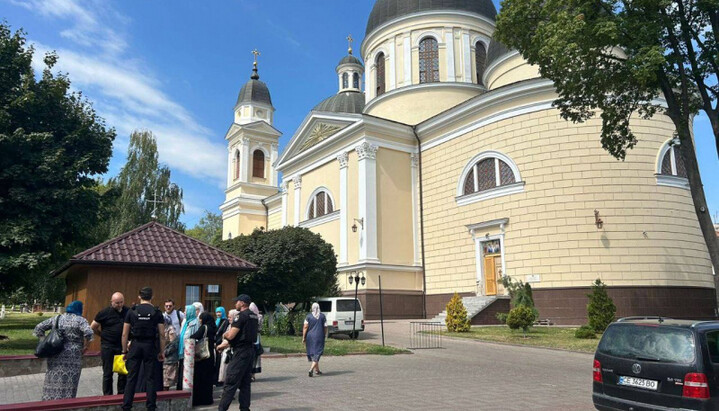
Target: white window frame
{"points": [[499, 190], [312, 197], [672, 180]]}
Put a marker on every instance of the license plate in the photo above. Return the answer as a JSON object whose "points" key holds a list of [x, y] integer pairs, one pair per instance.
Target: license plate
{"points": [[348, 322], [639, 383]]}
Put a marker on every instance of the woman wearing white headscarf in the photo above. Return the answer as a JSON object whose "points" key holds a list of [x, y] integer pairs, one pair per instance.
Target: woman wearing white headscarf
{"points": [[313, 336], [223, 359], [257, 366]]}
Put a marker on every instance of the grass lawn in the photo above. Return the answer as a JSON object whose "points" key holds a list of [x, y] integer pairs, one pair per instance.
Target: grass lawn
{"points": [[549, 337], [18, 328]]}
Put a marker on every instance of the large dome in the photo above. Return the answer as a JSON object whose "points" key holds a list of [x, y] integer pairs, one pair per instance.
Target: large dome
{"points": [[386, 10], [344, 102]]}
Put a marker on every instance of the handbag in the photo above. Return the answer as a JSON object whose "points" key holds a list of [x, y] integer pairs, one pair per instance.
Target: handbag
{"points": [[259, 350], [118, 365], [52, 344], [202, 348]]}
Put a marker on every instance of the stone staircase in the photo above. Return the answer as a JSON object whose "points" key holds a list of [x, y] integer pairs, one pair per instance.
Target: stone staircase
{"points": [[474, 306]]}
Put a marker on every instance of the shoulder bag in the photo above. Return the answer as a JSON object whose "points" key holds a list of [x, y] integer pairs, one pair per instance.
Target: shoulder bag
{"points": [[52, 344], [202, 349]]}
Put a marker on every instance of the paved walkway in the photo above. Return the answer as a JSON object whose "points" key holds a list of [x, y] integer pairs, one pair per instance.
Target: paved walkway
{"points": [[464, 375]]}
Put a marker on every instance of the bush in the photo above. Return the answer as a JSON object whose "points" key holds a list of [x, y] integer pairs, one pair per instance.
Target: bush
{"points": [[501, 317], [297, 319], [281, 325], [39, 313], [585, 332], [457, 315], [601, 309], [521, 317], [521, 294]]}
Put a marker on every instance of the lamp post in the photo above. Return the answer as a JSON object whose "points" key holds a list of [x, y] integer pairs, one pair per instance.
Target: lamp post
{"points": [[357, 280]]}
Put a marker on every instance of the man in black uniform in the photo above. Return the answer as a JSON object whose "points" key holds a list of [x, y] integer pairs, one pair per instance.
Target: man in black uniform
{"points": [[145, 321], [108, 325], [241, 336]]}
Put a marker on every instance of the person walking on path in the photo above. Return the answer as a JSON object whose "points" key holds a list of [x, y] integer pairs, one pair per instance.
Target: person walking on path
{"points": [[241, 337], [221, 323], [257, 365], [63, 370], [175, 316], [147, 325], [204, 377], [108, 325], [188, 328], [313, 336]]}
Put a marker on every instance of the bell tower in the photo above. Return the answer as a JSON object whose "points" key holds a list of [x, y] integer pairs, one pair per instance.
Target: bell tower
{"points": [[252, 144]]}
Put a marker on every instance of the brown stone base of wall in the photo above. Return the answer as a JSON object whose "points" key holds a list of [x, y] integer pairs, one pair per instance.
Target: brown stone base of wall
{"points": [[488, 316], [436, 303], [396, 304]]}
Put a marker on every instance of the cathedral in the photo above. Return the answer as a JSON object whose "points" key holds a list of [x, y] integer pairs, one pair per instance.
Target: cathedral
{"points": [[441, 166]]}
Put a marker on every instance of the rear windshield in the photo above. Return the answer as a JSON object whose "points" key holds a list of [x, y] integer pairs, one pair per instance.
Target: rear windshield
{"points": [[325, 306], [346, 305], [649, 343]]}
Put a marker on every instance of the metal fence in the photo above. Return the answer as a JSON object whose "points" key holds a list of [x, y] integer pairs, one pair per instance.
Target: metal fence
{"points": [[425, 335]]}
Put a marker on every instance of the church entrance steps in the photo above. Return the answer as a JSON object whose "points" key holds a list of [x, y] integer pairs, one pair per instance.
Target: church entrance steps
{"points": [[473, 305]]}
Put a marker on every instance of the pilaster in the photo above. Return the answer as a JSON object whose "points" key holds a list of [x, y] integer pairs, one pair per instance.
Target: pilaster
{"points": [[414, 161], [245, 158], [367, 154], [343, 159], [298, 190]]}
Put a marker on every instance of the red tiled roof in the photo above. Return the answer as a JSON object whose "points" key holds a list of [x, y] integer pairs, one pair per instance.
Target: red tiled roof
{"points": [[154, 244]]}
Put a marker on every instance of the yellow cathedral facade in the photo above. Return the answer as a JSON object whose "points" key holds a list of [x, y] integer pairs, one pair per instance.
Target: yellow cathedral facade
{"points": [[441, 166]]}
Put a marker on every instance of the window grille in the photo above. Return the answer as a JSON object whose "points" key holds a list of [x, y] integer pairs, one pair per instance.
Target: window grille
{"points": [[380, 74], [480, 59], [428, 61]]}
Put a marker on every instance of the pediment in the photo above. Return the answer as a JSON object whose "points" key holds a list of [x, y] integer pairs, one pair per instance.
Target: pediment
{"points": [[257, 127]]}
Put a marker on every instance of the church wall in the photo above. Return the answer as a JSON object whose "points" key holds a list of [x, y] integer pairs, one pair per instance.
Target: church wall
{"points": [[274, 221], [230, 225], [330, 232], [394, 202], [512, 70], [424, 103], [248, 223], [650, 236], [327, 176]]}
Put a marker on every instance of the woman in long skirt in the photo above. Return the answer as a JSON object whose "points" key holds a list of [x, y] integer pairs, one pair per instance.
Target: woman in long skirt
{"points": [[63, 370], [204, 369], [223, 358], [188, 328], [313, 335], [221, 323], [257, 366]]}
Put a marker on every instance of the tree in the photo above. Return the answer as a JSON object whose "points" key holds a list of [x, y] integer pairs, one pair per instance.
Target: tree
{"points": [[521, 317], [520, 294], [145, 190], [457, 320], [601, 308], [208, 229], [52, 144], [294, 265], [617, 56]]}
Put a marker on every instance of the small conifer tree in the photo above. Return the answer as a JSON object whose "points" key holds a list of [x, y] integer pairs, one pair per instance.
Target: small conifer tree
{"points": [[521, 317], [601, 309], [457, 315]]}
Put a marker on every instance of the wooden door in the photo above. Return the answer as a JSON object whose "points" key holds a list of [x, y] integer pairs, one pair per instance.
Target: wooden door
{"points": [[490, 277]]}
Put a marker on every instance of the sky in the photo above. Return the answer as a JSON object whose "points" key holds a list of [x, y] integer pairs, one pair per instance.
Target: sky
{"points": [[175, 68]]}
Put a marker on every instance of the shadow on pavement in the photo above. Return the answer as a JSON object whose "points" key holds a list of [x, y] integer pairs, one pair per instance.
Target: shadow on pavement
{"points": [[266, 394], [274, 379], [292, 409], [331, 373]]}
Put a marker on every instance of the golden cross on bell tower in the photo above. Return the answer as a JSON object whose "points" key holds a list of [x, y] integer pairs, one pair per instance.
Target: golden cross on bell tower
{"points": [[256, 53], [349, 41]]}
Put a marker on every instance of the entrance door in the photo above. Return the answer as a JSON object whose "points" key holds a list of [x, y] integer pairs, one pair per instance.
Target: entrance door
{"points": [[490, 282]]}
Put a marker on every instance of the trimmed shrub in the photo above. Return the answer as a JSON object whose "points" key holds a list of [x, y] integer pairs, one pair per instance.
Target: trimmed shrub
{"points": [[501, 317], [601, 309], [520, 317], [585, 332], [457, 315]]}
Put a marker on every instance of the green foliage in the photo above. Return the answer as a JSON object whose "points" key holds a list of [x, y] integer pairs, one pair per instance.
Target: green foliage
{"points": [[52, 144], [457, 320], [585, 332], [294, 265], [281, 325], [601, 309], [501, 317], [297, 319], [208, 229], [520, 317], [520, 294], [141, 181]]}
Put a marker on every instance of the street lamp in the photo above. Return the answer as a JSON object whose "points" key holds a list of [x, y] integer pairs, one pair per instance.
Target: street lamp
{"points": [[356, 278]]}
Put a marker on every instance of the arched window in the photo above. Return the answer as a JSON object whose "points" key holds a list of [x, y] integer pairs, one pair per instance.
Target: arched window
{"points": [[480, 59], [237, 164], [673, 163], [487, 175], [355, 80], [321, 204], [345, 80], [428, 60], [258, 164], [379, 77]]}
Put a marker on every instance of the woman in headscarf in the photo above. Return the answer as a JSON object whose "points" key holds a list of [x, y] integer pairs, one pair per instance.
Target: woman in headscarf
{"points": [[223, 358], [221, 323], [257, 366], [63, 369], [199, 308], [313, 335], [203, 380], [188, 328]]}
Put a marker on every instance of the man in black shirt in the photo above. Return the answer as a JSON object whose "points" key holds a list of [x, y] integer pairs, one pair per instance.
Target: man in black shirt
{"points": [[241, 336], [146, 324], [108, 325]]}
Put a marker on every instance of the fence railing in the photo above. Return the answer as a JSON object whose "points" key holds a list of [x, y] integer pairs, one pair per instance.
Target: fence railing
{"points": [[424, 335]]}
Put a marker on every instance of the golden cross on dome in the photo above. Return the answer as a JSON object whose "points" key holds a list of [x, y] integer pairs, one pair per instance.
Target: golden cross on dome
{"points": [[256, 53], [349, 41]]}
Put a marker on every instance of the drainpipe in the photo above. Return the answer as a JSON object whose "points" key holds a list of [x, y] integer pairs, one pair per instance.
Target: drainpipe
{"points": [[267, 215], [421, 224]]}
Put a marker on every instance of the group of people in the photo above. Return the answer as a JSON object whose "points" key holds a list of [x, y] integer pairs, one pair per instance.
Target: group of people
{"points": [[154, 346]]}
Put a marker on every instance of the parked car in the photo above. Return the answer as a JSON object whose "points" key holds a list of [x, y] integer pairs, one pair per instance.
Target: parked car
{"points": [[655, 363], [339, 312]]}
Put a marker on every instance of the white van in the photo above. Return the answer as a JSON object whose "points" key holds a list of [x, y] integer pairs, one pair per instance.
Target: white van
{"points": [[339, 311]]}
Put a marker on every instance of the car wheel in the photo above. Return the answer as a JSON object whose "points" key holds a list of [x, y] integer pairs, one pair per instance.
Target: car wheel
{"points": [[354, 335]]}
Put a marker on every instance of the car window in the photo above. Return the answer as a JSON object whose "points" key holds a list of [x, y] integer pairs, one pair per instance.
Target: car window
{"points": [[646, 342], [713, 345], [346, 305], [325, 306]]}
